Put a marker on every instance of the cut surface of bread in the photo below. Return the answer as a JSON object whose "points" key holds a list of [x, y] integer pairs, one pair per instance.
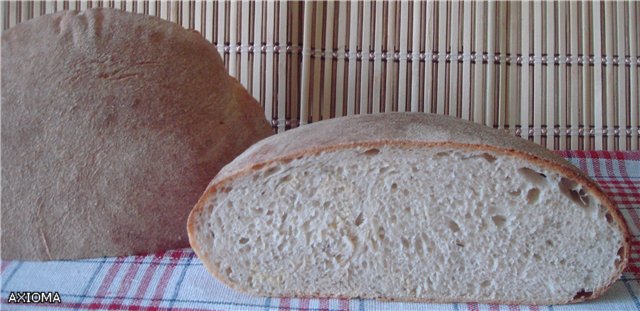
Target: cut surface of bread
{"points": [[408, 217], [112, 123]]}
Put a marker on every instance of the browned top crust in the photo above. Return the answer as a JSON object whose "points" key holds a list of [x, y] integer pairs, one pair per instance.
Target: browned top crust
{"points": [[112, 124]]}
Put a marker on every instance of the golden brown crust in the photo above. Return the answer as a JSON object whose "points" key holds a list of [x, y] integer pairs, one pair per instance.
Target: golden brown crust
{"points": [[265, 154]]}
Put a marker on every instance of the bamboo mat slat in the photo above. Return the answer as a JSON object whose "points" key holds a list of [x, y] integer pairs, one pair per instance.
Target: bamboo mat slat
{"points": [[467, 7], [574, 76], [598, 90], [537, 72], [401, 90], [453, 67], [340, 80], [416, 18], [490, 88], [634, 81], [389, 29], [587, 112], [478, 77], [377, 50], [562, 74]]}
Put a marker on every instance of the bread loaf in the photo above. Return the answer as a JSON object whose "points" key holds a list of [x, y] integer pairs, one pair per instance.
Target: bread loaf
{"points": [[408, 206], [112, 124]]}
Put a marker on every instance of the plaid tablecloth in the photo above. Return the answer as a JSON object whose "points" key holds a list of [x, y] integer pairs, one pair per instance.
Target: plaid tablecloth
{"points": [[176, 280]]}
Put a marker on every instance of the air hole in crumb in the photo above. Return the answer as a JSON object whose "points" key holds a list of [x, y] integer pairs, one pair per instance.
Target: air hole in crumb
{"points": [[359, 219], [405, 243], [283, 218], [381, 233], [243, 241], [608, 217], [453, 226], [270, 171], [532, 176], [285, 179], [213, 235], [563, 261], [228, 271], [515, 193], [305, 173], [582, 294], [371, 152], [227, 189], [269, 212], [537, 257], [326, 204], [533, 195], [549, 242], [459, 243], [374, 244], [414, 169], [405, 192], [499, 220], [568, 188], [441, 154], [384, 169], [394, 187], [485, 283], [485, 156]]}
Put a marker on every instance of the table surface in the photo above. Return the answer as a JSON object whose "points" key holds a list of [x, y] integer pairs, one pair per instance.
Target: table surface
{"points": [[176, 280]]}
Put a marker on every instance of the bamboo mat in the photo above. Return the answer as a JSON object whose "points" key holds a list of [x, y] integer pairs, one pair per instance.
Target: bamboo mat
{"points": [[562, 74]]}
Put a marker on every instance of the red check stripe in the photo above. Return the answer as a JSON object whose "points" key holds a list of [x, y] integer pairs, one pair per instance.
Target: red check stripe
{"points": [[343, 305], [324, 304], [146, 278], [96, 304], [285, 304], [164, 279], [634, 259], [304, 304], [126, 285]]}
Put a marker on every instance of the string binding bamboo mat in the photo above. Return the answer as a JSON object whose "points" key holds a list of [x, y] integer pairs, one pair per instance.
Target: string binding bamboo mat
{"points": [[562, 74]]}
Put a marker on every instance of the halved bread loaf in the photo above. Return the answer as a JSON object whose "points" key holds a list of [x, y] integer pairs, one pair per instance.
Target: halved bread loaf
{"points": [[406, 206]]}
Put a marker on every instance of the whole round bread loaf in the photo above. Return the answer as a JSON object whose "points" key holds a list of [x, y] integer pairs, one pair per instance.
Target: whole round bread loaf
{"points": [[112, 125]]}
